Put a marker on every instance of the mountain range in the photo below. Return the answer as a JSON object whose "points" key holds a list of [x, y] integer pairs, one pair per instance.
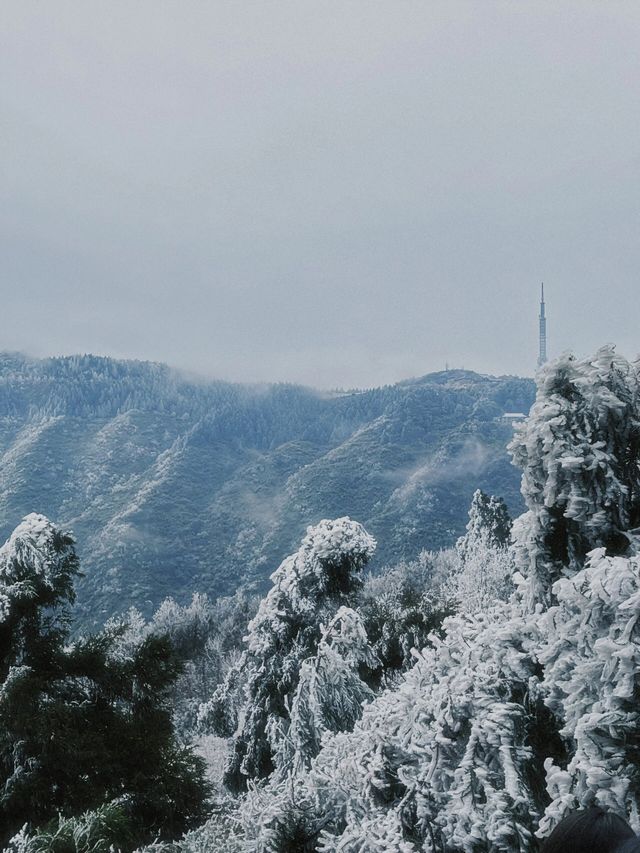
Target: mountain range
{"points": [[173, 484]]}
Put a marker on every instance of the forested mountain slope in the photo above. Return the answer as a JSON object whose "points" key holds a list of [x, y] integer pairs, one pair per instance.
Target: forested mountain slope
{"points": [[173, 484]]}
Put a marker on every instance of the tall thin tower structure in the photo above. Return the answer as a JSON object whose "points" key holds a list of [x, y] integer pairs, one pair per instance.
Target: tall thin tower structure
{"points": [[542, 354]]}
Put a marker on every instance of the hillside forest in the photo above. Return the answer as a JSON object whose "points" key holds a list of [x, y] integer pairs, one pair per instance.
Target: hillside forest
{"points": [[456, 699], [174, 485]]}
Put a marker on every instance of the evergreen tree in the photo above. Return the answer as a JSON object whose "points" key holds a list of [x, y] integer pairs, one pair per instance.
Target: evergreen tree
{"points": [[400, 606], [591, 658], [308, 588], [82, 724], [38, 565], [447, 760], [579, 451], [330, 692], [485, 564], [489, 523]]}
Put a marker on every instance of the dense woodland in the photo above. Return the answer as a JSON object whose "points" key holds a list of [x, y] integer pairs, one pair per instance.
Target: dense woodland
{"points": [[174, 485], [461, 701]]}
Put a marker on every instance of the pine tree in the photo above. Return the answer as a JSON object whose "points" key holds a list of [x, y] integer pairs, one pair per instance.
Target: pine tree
{"points": [[591, 658], [489, 523], [38, 565], [308, 588], [485, 564], [445, 761], [82, 724]]}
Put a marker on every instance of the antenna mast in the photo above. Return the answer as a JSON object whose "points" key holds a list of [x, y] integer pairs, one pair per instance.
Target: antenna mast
{"points": [[542, 354]]}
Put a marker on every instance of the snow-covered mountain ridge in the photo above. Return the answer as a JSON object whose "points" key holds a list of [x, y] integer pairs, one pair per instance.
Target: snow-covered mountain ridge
{"points": [[172, 484]]}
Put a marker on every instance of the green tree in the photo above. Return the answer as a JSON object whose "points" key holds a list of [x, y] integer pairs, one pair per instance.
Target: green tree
{"points": [[82, 724]]}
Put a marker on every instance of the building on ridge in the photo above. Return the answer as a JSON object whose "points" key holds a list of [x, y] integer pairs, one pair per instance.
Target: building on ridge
{"points": [[512, 418]]}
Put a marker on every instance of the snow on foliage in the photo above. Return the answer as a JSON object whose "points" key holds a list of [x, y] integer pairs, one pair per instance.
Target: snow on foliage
{"points": [[489, 522], [330, 692], [222, 833], [579, 451], [38, 565], [519, 709], [308, 588], [328, 563], [403, 604], [446, 751], [36, 561], [129, 632], [485, 562], [591, 658], [104, 830]]}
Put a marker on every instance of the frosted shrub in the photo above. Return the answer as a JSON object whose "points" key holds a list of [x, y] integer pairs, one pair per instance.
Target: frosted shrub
{"points": [[281, 817], [100, 831], [222, 833]]}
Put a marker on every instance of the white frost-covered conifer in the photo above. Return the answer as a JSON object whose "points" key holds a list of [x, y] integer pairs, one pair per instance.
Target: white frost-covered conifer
{"points": [[38, 565], [330, 692], [484, 560], [443, 761], [308, 588], [489, 522], [579, 451]]}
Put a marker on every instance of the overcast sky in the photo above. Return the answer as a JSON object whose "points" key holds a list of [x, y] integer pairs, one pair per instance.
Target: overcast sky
{"points": [[336, 193]]}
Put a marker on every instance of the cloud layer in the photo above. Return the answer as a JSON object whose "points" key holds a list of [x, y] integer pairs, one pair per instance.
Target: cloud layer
{"points": [[342, 193]]}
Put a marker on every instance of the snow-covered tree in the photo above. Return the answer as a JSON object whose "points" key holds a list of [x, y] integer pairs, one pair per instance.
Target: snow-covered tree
{"points": [[489, 522], [447, 760], [591, 659], [308, 588], [330, 692], [281, 816], [485, 564], [206, 637], [401, 605], [38, 566], [188, 627], [81, 723], [483, 577], [579, 451]]}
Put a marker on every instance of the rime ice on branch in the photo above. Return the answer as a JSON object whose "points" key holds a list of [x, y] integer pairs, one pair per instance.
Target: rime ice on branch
{"points": [[308, 588], [579, 451]]}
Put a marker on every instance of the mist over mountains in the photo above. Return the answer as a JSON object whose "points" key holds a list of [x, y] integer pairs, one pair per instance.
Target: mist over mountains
{"points": [[173, 485]]}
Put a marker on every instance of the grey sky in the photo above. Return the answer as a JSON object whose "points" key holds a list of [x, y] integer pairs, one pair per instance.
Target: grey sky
{"points": [[337, 193]]}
